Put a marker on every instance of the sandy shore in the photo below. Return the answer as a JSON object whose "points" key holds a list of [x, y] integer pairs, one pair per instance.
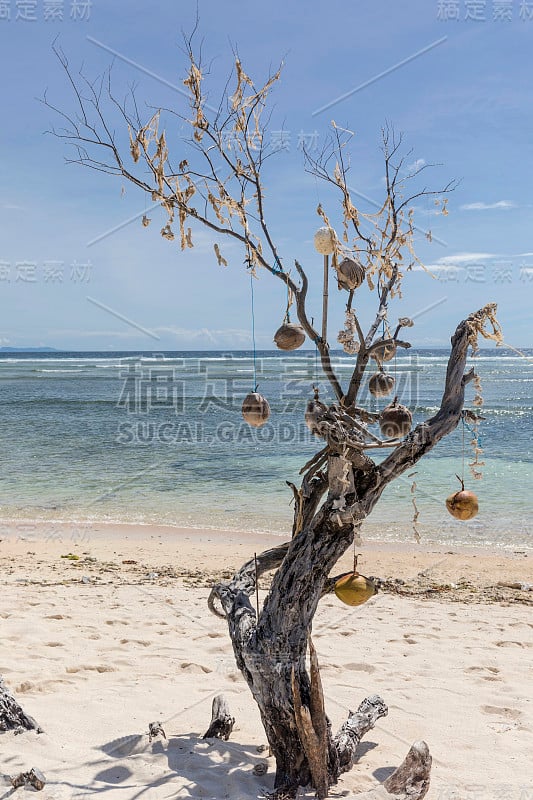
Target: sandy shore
{"points": [[98, 646]]}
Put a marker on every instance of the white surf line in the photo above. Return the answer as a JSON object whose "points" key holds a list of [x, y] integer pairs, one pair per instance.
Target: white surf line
{"points": [[378, 77], [125, 319], [146, 71]]}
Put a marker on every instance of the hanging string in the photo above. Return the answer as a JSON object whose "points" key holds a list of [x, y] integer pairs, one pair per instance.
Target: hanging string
{"points": [[289, 302], [463, 472], [316, 354], [253, 329], [355, 555]]}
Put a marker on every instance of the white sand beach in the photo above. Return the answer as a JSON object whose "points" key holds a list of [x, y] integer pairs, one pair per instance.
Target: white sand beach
{"points": [[97, 648]]}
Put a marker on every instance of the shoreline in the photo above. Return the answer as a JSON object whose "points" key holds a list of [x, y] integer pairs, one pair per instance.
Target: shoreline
{"points": [[26, 528], [125, 554]]}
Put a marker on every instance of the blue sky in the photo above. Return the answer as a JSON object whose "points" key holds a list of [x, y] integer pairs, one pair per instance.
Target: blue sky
{"points": [[459, 89]]}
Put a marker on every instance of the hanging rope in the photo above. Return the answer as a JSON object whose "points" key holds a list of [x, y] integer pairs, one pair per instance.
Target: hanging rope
{"points": [[316, 354], [287, 318], [463, 472], [253, 330]]}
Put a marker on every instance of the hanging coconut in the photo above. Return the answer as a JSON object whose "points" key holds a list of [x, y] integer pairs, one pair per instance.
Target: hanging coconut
{"points": [[385, 353], [289, 336], [380, 384], [325, 241], [314, 412], [354, 589], [255, 409], [463, 504], [395, 420], [350, 274]]}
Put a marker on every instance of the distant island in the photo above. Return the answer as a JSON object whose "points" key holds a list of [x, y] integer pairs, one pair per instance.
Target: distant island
{"points": [[28, 350]]}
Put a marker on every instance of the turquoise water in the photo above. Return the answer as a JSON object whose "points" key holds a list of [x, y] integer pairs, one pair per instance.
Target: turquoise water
{"points": [[158, 438]]}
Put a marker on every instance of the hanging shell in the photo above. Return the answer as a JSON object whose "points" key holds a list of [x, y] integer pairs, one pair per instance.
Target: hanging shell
{"points": [[289, 336], [395, 420], [354, 589], [463, 504], [385, 352], [314, 412], [350, 274], [380, 384], [255, 409], [324, 241]]}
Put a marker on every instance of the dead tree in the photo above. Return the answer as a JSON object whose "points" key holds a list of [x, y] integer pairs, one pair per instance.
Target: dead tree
{"points": [[217, 182]]}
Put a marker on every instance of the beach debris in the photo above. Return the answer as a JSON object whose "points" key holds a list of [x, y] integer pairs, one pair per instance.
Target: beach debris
{"points": [[521, 585], [260, 769], [255, 409], [395, 420], [221, 720], [463, 504], [71, 557], [129, 561], [155, 729], [34, 778], [289, 336], [85, 579]]}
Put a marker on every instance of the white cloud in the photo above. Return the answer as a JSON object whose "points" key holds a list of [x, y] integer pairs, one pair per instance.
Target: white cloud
{"points": [[465, 258], [502, 204]]}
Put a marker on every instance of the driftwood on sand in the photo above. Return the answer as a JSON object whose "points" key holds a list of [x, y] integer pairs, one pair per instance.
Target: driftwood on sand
{"points": [[12, 717], [221, 720]]}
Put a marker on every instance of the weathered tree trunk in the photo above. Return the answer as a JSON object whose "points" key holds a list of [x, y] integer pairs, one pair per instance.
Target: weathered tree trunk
{"points": [[271, 651], [12, 717]]}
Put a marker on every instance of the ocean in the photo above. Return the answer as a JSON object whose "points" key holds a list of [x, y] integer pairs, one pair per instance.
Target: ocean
{"points": [[159, 438]]}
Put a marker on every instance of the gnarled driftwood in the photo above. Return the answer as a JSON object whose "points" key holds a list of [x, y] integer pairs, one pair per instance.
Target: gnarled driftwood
{"points": [[12, 717], [221, 720]]}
